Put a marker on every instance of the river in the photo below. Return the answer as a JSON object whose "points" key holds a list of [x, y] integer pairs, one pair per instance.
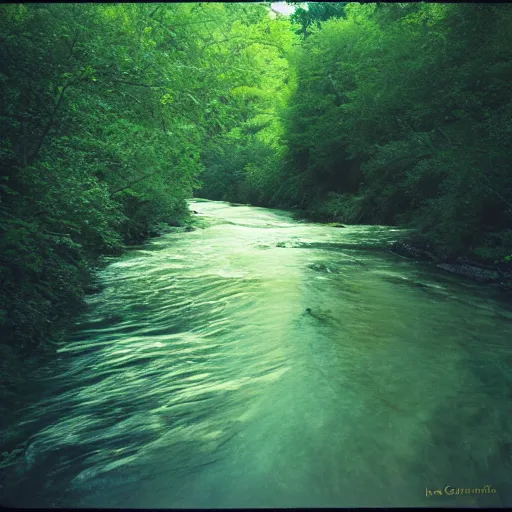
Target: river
{"points": [[259, 361]]}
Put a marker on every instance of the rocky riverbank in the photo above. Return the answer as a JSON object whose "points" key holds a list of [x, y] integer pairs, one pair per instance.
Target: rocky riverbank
{"points": [[498, 274]]}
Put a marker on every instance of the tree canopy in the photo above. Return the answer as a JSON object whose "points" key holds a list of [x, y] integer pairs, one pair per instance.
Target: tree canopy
{"points": [[109, 114], [401, 113]]}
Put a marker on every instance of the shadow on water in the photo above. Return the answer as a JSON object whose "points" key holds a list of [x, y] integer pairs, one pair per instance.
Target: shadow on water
{"points": [[224, 367]]}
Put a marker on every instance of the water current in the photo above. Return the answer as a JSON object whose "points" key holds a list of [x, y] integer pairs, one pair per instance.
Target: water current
{"points": [[259, 361]]}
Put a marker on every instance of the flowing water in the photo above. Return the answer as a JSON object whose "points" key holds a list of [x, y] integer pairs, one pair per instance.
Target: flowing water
{"points": [[264, 362]]}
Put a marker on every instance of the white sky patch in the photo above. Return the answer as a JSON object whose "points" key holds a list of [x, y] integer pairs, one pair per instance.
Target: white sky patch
{"points": [[282, 8]]}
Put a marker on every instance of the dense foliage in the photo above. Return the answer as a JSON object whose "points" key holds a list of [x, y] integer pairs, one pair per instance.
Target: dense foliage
{"points": [[108, 114], [313, 13], [402, 114], [242, 160], [112, 115]]}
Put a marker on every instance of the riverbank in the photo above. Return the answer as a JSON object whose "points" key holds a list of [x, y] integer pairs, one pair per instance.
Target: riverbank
{"points": [[20, 365], [498, 274], [417, 247]]}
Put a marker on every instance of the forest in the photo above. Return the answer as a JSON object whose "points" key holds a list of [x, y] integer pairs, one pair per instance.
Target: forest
{"points": [[113, 115]]}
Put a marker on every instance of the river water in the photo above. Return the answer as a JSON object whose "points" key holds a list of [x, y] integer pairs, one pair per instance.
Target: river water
{"points": [[263, 362]]}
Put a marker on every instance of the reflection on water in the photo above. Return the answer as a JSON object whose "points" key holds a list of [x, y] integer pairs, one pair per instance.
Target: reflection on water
{"points": [[262, 362]]}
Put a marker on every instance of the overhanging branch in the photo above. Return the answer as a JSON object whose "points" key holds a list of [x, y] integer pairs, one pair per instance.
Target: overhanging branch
{"points": [[148, 86], [141, 178]]}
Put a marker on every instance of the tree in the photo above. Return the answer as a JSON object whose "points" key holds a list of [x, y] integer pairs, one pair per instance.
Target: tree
{"points": [[311, 14], [106, 113], [400, 114]]}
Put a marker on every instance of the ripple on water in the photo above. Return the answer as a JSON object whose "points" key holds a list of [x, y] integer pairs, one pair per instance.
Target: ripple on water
{"points": [[196, 379]]}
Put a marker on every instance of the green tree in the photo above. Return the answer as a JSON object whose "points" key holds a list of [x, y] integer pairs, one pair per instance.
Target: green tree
{"points": [[106, 113], [311, 14], [400, 115]]}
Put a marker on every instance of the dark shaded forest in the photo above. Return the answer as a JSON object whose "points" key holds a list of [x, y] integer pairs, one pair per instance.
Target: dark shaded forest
{"points": [[114, 115]]}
